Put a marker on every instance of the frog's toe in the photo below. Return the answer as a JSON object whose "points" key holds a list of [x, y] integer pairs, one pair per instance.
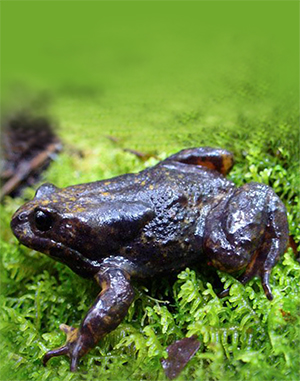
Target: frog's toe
{"points": [[257, 268], [74, 363], [265, 278], [64, 350], [223, 293], [71, 332], [54, 353]]}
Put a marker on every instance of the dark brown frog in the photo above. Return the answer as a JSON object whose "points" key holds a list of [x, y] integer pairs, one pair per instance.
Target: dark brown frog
{"points": [[180, 212]]}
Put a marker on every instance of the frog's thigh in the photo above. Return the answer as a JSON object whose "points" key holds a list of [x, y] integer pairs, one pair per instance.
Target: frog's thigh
{"points": [[212, 158]]}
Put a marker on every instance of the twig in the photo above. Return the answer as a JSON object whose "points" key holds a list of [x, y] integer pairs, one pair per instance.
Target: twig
{"points": [[25, 169]]}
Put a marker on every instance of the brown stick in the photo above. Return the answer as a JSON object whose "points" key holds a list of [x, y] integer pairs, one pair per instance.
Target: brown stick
{"points": [[25, 169], [140, 155]]}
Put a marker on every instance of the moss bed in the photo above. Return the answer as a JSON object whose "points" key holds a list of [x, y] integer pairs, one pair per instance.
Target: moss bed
{"points": [[159, 97]]}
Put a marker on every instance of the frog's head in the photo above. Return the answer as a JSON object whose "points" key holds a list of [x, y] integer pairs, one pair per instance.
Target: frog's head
{"points": [[55, 224], [76, 227]]}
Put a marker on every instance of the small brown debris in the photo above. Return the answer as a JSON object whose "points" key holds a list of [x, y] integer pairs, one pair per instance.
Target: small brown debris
{"points": [[293, 245], [179, 354], [113, 139], [141, 155]]}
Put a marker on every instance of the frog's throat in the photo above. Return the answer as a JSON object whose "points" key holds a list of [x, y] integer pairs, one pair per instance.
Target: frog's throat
{"points": [[74, 259]]}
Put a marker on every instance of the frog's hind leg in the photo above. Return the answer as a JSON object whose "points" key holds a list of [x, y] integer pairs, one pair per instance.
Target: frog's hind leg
{"points": [[212, 158], [250, 231], [273, 244]]}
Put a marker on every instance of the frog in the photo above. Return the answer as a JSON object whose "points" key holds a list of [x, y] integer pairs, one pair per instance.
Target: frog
{"points": [[181, 212]]}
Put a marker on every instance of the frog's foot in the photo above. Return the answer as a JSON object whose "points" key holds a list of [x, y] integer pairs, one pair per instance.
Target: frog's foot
{"points": [[251, 272], [73, 347]]}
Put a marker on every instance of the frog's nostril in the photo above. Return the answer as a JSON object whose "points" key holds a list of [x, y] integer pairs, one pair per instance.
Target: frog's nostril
{"points": [[17, 220], [22, 216]]}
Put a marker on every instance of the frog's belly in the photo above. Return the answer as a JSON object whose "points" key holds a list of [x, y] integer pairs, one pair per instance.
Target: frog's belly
{"points": [[152, 261]]}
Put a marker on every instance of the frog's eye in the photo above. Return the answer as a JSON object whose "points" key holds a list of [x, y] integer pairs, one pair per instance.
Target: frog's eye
{"points": [[43, 221]]}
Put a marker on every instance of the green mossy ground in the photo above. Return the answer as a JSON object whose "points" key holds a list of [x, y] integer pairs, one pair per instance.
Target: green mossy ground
{"points": [[176, 89], [242, 336]]}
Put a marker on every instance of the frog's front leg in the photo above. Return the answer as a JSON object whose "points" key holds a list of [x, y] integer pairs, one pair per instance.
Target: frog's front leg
{"points": [[104, 316], [218, 159]]}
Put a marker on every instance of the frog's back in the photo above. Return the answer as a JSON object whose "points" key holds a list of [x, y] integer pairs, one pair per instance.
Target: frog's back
{"points": [[197, 183], [180, 197]]}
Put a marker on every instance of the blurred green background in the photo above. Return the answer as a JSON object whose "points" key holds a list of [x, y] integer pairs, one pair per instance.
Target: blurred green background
{"points": [[158, 76], [143, 69]]}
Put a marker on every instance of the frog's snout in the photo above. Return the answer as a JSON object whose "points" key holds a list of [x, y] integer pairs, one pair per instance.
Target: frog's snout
{"points": [[17, 224]]}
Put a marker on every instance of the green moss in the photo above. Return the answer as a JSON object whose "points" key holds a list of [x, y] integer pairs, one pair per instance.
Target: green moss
{"points": [[177, 82], [243, 335]]}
